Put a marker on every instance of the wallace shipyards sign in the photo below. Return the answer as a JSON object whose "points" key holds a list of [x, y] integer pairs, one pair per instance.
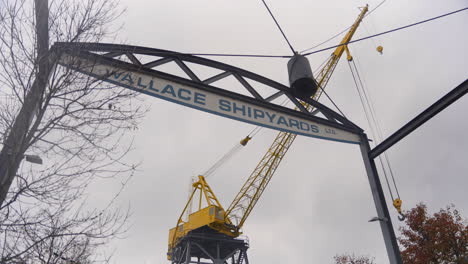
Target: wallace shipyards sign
{"points": [[201, 99]]}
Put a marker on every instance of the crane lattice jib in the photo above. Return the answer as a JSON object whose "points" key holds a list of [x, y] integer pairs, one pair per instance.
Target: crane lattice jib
{"points": [[253, 188]]}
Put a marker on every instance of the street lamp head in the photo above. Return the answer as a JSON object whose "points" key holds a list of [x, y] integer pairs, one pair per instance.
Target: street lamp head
{"points": [[33, 159], [375, 218]]}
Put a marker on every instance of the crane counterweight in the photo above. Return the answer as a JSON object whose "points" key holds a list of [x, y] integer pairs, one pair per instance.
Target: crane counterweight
{"points": [[301, 80]]}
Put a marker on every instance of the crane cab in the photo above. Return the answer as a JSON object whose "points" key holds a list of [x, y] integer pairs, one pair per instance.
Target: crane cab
{"points": [[207, 220], [204, 217], [301, 80]]}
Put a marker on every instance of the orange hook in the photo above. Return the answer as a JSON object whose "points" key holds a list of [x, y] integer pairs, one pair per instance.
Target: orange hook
{"points": [[397, 204]]}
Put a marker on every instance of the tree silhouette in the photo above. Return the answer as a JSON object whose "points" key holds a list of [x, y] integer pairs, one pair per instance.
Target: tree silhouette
{"points": [[353, 259], [438, 239], [79, 127]]}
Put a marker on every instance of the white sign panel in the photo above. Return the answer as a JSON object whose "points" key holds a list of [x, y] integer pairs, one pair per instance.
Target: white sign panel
{"points": [[208, 101]]}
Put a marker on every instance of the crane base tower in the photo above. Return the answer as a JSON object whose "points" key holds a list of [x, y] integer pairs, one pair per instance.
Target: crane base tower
{"points": [[210, 248]]}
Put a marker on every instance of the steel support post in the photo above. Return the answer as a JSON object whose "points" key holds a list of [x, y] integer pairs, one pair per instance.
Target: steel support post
{"points": [[391, 244], [246, 258], [188, 257]]}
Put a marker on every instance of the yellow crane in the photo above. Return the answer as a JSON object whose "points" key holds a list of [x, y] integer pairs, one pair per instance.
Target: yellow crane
{"points": [[253, 188], [210, 216]]}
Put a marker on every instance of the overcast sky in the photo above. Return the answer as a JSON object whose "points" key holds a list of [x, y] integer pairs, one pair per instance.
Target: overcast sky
{"points": [[319, 202]]}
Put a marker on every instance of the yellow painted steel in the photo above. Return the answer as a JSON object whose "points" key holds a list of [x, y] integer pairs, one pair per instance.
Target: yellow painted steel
{"points": [[380, 49], [246, 140], [229, 222], [397, 204], [212, 215], [253, 188]]}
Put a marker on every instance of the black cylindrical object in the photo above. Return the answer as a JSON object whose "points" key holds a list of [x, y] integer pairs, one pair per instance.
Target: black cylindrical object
{"points": [[301, 80]]}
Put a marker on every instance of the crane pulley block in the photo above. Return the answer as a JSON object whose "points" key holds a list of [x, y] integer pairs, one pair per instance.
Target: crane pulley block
{"points": [[246, 140], [397, 204], [380, 49]]}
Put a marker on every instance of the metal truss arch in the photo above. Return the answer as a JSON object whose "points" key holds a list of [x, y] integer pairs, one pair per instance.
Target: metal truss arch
{"points": [[107, 60], [115, 50]]}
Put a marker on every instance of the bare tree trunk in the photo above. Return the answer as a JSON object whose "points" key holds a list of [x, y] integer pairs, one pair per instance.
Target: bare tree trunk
{"points": [[64, 117], [14, 147]]}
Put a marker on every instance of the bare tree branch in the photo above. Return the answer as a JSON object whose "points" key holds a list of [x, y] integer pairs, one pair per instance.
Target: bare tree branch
{"points": [[80, 130]]}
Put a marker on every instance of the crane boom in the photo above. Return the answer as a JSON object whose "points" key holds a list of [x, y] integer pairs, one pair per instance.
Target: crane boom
{"points": [[253, 188]]}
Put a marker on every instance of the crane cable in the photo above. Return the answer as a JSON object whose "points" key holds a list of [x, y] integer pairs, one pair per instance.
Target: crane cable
{"points": [[279, 27], [286, 100], [238, 146], [377, 132], [223, 159], [379, 129], [368, 33], [220, 162], [387, 32], [343, 31], [328, 48], [257, 129]]}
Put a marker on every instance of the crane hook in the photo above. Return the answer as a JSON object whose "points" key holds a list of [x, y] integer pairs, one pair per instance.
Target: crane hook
{"points": [[397, 204], [401, 217]]}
